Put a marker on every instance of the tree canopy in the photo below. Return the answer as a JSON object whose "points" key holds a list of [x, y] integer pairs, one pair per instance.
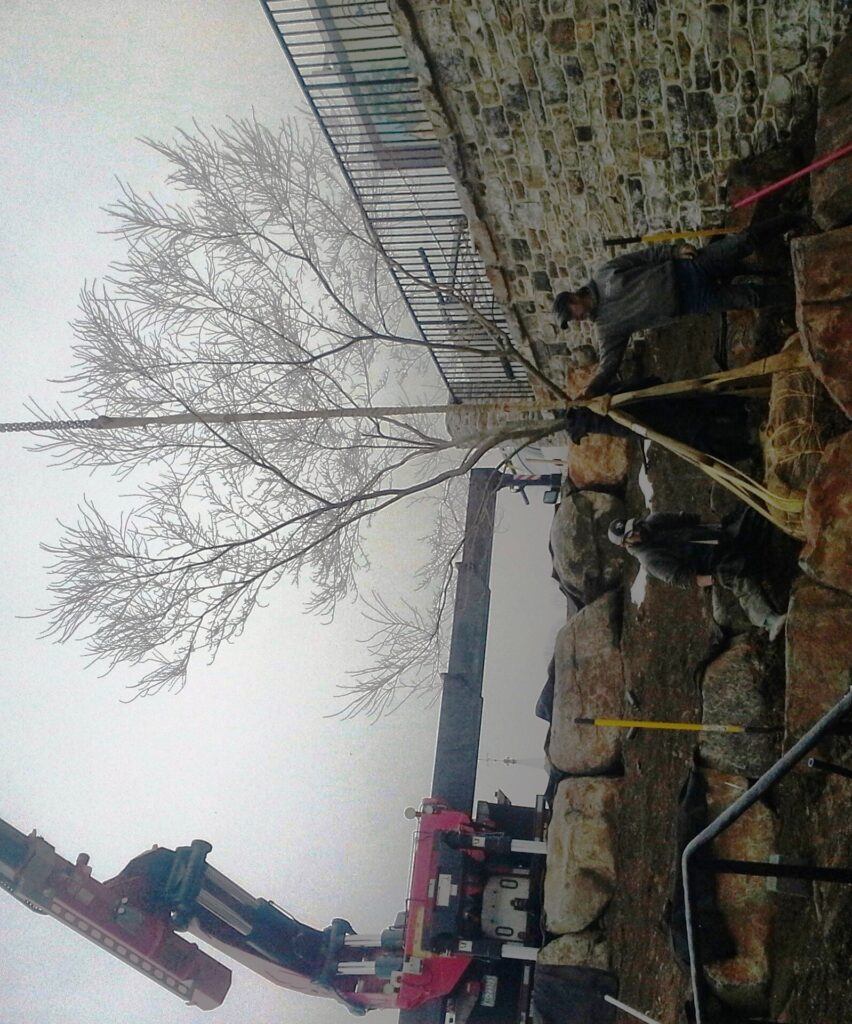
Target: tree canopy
{"points": [[255, 284], [250, 365]]}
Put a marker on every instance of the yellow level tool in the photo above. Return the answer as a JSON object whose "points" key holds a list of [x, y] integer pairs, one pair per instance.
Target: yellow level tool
{"points": [[670, 236], [629, 723]]}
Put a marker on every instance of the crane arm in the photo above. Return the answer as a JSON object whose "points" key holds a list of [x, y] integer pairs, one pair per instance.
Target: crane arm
{"points": [[119, 923]]}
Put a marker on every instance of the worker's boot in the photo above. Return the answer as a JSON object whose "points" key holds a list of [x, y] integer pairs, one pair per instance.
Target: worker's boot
{"points": [[774, 625], [752, 597], [764, 231]]}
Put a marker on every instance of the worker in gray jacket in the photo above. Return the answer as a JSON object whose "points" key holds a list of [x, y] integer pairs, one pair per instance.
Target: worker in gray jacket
{"points": [[655, 285], [678, 548]]}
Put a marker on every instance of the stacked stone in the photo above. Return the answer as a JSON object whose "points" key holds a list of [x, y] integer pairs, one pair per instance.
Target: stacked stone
{"points": [[567, 121]]}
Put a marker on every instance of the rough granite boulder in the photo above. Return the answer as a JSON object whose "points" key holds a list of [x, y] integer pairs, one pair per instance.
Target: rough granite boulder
{"points": [[578, 377], [824, 309], [581, 876], [588, 948], [584, 561], [827, 555], [598, 461], [819, 653], [589, 683], [737, 689], [743, 980], [831, 188]]}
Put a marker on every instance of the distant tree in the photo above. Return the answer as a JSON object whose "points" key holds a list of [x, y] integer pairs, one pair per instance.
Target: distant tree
{"points": [[256, 287]]}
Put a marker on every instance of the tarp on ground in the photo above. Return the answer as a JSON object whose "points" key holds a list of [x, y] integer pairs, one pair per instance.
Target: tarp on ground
{"points": [[572, 995]]}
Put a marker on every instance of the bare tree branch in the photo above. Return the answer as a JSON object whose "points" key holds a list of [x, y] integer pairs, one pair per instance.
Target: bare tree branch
{"points": [[255, 286]]}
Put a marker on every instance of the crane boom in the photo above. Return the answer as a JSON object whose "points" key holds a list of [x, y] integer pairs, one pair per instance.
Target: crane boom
{"points": [[36, 875], [470, 914]]}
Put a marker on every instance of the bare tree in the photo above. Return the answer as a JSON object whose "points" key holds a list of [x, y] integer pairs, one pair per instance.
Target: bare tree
{"points": [[256, 286], [249, 365]]}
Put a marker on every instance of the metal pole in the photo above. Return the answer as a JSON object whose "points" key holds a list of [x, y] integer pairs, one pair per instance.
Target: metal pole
{"points": [[629, 1009], [781, 768], [817, 165], [512, 951], [828, 766], [765, 869]]}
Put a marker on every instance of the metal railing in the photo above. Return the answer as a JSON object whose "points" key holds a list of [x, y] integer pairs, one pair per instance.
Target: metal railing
{"points": [[350, 63], [691, 859]]}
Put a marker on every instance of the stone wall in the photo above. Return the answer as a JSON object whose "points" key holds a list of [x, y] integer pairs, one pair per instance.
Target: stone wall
{"points": [[567, 121]]}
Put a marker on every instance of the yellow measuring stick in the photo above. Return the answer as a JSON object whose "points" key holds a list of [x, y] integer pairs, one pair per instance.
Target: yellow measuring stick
{"points": [[671, 236], [628, 723]]}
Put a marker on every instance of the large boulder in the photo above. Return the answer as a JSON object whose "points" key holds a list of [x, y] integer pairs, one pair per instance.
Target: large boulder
{"points": [[819, 653], [578, 377], [581, 875], [831, 188], [584, 561], [824, 309], [589, 683], [827, 519], [737, 689], [743, 980], [598, 461], [588, 948]]}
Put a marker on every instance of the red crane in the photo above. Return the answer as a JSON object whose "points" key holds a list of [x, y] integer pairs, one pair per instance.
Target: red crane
{"points": [[468, 934]]}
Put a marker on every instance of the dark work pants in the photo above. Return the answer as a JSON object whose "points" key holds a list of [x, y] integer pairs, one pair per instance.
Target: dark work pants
{"points": [[722, 258], [730, 572], [706, 284]]}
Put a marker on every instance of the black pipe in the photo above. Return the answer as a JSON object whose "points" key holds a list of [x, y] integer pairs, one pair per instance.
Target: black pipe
{"points": [[763, 869], [829, 766]]}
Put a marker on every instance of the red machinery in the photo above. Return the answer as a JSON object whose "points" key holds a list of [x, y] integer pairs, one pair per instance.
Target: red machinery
{"points": [[467, 936], [463, 947], [116, 917]]}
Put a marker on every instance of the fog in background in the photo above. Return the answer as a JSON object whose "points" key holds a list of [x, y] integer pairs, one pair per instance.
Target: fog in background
{"points": [[301, 808]]}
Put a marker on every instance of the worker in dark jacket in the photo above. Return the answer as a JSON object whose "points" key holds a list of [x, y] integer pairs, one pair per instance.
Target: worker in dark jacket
{"points": [[678, 548], [657, 284]]}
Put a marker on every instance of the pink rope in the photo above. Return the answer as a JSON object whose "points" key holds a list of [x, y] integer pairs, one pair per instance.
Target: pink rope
{"points": [[817, 165]]}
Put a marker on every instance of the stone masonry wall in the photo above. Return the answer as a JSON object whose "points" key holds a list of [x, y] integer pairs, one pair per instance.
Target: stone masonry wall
{"points": [[567, 121]]}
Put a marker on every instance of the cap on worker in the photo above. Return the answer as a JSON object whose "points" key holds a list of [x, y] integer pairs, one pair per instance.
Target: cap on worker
{"points": [[562, 309], [619, 529]]}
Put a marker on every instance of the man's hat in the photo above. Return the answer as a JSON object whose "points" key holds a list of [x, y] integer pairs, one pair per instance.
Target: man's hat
{"points": [[562, 309], [619, 529]]}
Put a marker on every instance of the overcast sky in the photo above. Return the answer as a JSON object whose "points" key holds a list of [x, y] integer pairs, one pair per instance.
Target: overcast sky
{"points": [[300, 809]]}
